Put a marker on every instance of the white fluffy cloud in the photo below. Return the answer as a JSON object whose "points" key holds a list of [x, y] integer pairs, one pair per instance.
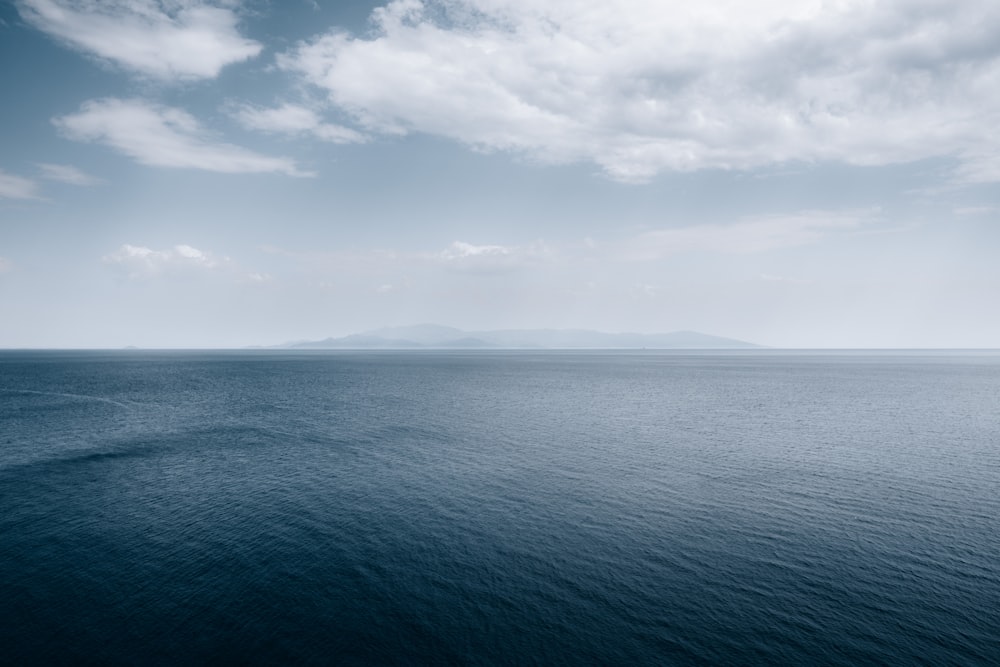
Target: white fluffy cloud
{"points": [[639, 87], [166, 39], [163, 136], [296, 120], [65, 173], [16, 187]]}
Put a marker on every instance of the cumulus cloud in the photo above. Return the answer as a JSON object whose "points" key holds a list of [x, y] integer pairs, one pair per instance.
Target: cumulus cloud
{"points": [[165, 39], [143, 262], [162, 136], [16, 187], [65, 173], [639, 87], [749, 235], [295, 120]]}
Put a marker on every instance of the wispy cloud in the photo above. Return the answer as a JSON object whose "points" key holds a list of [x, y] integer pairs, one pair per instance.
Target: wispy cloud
{"points": [[257, 278], [16, 187], [162, 136], [65, 173], [461, 250], [976, 210], [143, 262], [639, 87], [165, 39], [749, 235], [468, 257], [782, 280], [294, 120]]}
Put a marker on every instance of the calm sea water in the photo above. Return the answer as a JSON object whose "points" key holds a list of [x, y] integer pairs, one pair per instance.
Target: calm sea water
{"points": [[499, 508]]}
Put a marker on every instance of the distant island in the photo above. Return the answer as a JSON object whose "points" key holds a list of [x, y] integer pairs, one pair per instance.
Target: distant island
{"points": [[432, 336]]}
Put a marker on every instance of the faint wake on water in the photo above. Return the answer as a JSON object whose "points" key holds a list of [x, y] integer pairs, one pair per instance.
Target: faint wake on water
{"points": [[503, 508]]}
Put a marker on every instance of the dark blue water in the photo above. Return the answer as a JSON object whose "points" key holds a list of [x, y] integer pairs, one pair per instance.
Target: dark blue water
{"points": [[499, 508]]}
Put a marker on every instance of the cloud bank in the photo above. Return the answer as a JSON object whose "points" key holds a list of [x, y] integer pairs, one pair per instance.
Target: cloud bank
{"points": [[162, 136], [640, 87], [164, 39]]}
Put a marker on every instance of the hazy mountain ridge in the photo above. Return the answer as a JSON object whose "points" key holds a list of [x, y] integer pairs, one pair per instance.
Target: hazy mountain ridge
{"points": [[441, 337]]}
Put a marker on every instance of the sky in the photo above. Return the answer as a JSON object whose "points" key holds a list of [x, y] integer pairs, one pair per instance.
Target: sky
{"points": [[794, 173]]}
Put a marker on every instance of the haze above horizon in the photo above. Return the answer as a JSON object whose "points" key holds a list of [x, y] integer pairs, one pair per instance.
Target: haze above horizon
{"points": [[223, 174]]}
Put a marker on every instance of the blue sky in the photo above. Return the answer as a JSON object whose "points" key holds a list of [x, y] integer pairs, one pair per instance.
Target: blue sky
{"points": [[180, 173]]}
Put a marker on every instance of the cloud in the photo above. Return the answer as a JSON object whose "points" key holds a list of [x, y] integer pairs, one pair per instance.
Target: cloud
{"points": [[646, 290], [16, 187], [467, 257], [256, 278], [783, 280], [161, 136], [460, 250], [295, 120], [750, 235], [65, 173], [142, 262], [975, 210], [641, 87], [6, 265], [164, 39]]}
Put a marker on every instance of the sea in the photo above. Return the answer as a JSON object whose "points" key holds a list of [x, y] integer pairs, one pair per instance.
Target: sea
{"points": [[500, 507]]}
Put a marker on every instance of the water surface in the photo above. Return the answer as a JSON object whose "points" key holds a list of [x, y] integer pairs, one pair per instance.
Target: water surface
{"points": [[500, 507]]}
